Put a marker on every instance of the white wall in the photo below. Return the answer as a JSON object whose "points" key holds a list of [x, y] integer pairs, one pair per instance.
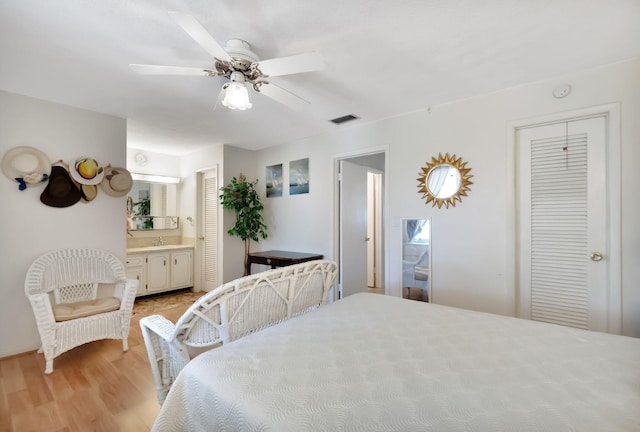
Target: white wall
{"points": [[470, 241], [30, 228], [236, 161]]}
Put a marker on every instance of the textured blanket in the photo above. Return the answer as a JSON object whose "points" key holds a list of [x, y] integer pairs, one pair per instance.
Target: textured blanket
{"points": [[375, 363]]}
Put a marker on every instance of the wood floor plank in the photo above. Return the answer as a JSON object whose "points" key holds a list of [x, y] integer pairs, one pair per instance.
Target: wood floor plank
{"points": [[13, 379], [45, 417], [35, 381], [19, 402], [5, 413], [85, 411]]}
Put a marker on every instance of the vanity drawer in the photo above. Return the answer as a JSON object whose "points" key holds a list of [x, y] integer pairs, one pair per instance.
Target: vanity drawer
{"points": [[135, 260]]}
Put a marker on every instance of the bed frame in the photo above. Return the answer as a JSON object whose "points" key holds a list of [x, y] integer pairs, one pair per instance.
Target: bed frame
{"points": [[232, 311]]}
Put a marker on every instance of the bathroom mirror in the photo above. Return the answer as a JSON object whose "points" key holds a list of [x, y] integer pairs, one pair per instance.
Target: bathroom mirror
{"points": [[444, 181], [416, 259], [152, 203]]}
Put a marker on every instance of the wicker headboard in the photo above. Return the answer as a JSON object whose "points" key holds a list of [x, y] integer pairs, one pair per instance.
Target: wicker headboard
{"points": [[232, 311]]}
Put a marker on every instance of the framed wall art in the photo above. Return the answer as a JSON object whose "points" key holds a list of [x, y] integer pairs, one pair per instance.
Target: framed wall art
{"points": [[274, 181], [299, 176]]}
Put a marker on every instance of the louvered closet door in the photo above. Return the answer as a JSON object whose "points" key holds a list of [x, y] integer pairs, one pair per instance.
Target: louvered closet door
{"points": [[209, 230], [562, 222]]}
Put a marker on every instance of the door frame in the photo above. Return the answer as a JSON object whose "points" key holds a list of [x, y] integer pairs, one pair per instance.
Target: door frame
{"points": [[611, 112], [385, 210]]}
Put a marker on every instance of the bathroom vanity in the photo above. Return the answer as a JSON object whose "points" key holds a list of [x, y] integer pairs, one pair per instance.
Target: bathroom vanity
{"points": [[160, 268]]}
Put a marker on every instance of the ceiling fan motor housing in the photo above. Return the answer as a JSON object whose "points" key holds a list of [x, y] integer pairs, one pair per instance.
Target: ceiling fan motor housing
{"points": [[240, 50]]}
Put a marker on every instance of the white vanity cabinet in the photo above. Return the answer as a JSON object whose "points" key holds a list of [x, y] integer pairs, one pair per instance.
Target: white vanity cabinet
{"points": [[160, 269], [136, 268]]}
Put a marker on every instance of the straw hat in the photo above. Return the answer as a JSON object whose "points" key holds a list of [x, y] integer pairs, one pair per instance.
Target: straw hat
{"points": [[117, 181], [61, 190], [26, 165], [88, 192], [86, 170]]}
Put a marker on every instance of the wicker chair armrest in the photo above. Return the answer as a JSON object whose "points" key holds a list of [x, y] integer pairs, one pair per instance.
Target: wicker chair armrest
{"points": [[42, 308], [126, 290], [159, 325]]}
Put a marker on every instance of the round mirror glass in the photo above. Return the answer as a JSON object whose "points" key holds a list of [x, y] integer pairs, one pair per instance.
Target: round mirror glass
{"points": [[444, 181]]}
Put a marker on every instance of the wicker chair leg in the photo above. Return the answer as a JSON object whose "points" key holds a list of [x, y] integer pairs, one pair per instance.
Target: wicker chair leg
{"points": [[125, 344], [49, 366]]}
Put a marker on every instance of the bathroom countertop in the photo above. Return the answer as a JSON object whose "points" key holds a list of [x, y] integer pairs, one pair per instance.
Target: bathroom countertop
{"points": [[158, 248]]}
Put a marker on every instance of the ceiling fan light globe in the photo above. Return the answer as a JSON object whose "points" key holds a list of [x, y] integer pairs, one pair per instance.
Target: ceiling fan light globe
{"points": [[236, 96]]}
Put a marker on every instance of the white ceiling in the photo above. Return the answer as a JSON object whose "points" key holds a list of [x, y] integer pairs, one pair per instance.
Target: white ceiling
{"points": [[383, 58]]}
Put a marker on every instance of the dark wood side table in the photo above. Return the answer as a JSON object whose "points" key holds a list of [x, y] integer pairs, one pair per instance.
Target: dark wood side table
{"points": [[278, 258]]}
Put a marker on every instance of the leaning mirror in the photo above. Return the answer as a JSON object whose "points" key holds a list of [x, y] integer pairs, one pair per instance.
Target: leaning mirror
{"points": [[416, 259], [444, 181], [152, 203]]}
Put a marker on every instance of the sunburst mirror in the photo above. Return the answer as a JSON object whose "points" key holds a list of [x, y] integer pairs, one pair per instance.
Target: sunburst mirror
{"points": [[444, 180]]}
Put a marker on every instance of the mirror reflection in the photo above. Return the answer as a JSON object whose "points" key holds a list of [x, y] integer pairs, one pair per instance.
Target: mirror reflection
{"points": [[416, 259], [444, 181], [152, 205]]}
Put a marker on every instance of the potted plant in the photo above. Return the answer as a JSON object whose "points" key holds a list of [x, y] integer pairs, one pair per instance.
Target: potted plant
{"points": [[241, 196]]}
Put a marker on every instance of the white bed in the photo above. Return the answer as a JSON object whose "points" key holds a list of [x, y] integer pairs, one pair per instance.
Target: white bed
{"points": [[377, 363]]}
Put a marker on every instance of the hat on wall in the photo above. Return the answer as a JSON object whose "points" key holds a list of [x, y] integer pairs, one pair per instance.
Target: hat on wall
{"points": [[26, 165], [86, 170], [61, 190], [88, 192], [117, 182]]}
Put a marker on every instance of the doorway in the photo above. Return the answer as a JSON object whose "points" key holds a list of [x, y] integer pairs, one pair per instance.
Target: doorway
{"points": [[567, 241], [360, 210]]}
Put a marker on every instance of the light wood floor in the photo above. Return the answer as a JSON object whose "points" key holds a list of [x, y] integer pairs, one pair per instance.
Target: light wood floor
{"points": [[94, 387]]}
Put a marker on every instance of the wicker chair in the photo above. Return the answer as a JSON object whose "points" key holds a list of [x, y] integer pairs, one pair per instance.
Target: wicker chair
{"points": [[232, 311], [79, 296]]}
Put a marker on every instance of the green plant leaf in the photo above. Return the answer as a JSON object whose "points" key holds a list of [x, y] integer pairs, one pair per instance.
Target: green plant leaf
{"points": [[241, 196]]}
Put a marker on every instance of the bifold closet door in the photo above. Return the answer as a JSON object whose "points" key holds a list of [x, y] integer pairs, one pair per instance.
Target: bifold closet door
{"points": [[209, 229]]}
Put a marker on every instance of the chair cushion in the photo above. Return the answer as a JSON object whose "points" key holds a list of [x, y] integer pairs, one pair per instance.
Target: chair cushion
{"points": [[69, 311]]}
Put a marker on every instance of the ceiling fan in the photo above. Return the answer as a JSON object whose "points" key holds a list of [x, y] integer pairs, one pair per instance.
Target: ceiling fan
{"points": [[240, 65]]}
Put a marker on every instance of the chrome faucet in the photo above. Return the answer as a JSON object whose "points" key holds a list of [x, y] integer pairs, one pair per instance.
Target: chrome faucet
{"points": [[159, 242]]}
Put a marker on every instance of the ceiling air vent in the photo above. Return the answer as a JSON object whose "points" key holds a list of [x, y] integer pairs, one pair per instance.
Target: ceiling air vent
{"points": [[340, 120]]}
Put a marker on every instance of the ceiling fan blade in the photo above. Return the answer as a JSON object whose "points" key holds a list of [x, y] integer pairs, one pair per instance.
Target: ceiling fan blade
{"points": [[145, 69], [281, 95], [299, 63], [200, 35]]}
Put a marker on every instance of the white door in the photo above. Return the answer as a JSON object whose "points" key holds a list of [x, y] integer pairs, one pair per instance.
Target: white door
{"points": [[562, 223], [209, 230], [353, 228]]}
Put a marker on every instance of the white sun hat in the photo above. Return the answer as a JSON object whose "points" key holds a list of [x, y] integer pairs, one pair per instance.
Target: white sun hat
{"points": [[86, 170], [26, 165]]}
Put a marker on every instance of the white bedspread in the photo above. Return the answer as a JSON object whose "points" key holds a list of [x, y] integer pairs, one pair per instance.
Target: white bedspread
{"points": [[377, 363]]}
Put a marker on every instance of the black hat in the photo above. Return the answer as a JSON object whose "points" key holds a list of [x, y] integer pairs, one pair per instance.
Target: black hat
{"points": [[61, 190]]}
